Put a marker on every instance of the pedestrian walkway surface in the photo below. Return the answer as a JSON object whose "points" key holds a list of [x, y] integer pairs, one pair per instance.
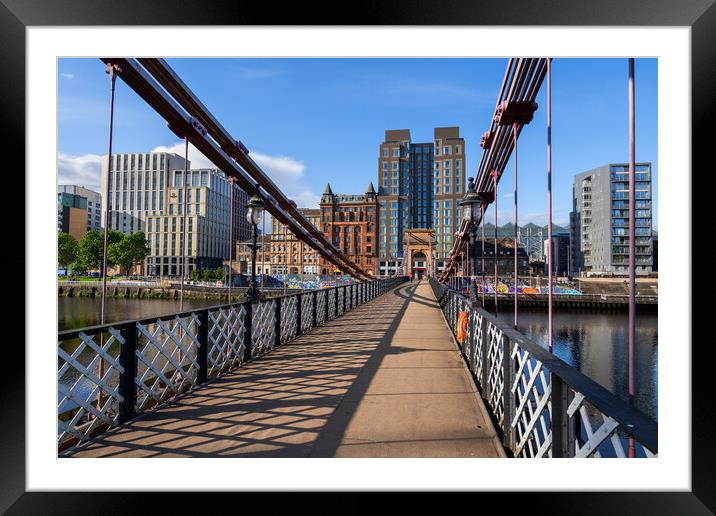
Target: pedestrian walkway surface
{"points": [[383, 380]]}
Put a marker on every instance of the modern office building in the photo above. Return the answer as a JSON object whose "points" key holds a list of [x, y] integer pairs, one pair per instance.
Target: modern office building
{"points": [[349, 221], [94, 204], [561, 264], [208, 243], [419, 187], [138, 187], [600, 220], [145, 194], [286, 254], [72, 214]]}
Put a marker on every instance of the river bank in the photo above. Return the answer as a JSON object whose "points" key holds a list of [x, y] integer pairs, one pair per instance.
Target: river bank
{"points": [[167, 293]]}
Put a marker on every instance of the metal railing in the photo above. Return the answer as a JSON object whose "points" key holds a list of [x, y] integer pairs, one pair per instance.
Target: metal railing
{"points": [[542, 406], [112, 373]]}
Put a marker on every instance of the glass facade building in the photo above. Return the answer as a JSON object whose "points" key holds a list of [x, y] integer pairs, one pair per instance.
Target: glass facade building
{"points": [[600, 220], [420, 185]]}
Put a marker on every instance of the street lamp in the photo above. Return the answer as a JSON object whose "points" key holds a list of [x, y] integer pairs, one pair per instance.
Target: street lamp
{"points": [[254, 215], [472, 214]]}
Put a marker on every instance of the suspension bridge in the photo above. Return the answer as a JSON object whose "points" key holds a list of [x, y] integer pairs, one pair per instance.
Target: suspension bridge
{"points": [[388, 367]]}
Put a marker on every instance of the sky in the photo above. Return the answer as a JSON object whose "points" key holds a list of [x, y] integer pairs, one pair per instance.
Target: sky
{"points": [[308, 122]]}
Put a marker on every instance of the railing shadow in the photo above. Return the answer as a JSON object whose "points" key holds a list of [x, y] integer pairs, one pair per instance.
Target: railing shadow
{"points": [[288, 403]]}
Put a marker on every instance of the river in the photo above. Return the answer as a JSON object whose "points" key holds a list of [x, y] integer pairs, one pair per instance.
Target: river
{"points": [[596, 342]]}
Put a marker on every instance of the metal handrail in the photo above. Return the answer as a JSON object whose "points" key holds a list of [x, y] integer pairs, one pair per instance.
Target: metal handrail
{"points": [[618, 414], [178, 352]]}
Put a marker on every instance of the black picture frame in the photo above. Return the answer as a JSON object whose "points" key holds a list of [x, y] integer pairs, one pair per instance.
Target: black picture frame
{"points": [[700, 15]]}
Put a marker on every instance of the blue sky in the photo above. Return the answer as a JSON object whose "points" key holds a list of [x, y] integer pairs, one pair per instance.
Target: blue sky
{"points": [[311, 121]]}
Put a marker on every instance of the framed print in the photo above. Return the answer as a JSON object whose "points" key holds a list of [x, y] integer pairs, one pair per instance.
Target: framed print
{"points": [[241, 296]]}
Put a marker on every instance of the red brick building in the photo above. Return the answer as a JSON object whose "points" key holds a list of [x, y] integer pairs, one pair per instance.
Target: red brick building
{"points": [[349, 221]]}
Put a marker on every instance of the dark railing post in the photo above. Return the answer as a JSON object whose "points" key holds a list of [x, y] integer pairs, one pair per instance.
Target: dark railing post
{"points": [[202, 351], [563, 433], [247, 331], [508, 375], [325, 309], [314, 306], [128, 360], [299, 318], [277, 331]]}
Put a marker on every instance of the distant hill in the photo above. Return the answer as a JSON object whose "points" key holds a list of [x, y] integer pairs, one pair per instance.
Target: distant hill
{"points": [[508, 229]]}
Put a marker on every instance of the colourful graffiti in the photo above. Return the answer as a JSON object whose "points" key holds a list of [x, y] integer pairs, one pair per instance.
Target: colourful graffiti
{"points": [[523, 287], [311, 281]]}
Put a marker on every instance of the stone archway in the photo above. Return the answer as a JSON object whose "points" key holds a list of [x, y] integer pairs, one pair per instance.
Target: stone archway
{"points": [[418, 243]]}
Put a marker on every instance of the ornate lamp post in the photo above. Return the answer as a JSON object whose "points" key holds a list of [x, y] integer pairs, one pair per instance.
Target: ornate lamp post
{"points": [[472, 214], [254, 214]]}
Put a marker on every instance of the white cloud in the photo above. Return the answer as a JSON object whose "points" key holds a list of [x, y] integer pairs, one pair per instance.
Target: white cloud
{"points": [[68, 75], [288, 173], [82, 170]]}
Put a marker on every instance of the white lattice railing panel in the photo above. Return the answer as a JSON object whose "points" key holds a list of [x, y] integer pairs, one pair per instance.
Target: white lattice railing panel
{"points": [[476, 337], [340, 303], [88, 383], [289, 307], [599, 435], [321, 306], [531, 392], [263, 327], [331, 295], [226, 339], [166, 359], [495, 378], [527, 420], [306, 312]]}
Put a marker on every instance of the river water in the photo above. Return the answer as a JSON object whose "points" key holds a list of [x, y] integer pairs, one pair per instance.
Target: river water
{"points": [[594, 342]]}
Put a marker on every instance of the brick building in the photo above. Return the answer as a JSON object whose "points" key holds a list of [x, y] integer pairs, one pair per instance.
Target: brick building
{"points": [[285, 249], [349, 221]]}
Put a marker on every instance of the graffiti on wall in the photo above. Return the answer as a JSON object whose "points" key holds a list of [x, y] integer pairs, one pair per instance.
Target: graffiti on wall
{"points": [[507, 286], [311, 281]]}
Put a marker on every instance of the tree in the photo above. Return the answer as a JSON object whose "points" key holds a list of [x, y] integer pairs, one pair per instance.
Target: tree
{"points": [[219, 273], [91, 247], [77, 268], [128, 251], [66, 249]]}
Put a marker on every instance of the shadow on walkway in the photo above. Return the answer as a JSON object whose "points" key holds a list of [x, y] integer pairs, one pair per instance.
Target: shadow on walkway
{"points": [[284, 404]]}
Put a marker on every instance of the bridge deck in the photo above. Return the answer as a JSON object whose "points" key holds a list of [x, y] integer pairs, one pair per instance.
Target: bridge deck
{"points": [[384, 380]]}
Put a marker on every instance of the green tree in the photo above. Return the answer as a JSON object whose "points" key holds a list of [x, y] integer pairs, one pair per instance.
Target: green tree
{"points": [[128, 251], [77, 268], [91, 247], [66, 249], [207, 275], [219, 273], [195, 275]]}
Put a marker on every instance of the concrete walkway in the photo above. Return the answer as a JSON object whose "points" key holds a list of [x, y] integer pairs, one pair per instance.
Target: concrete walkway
{"points": [[384, 380]]}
